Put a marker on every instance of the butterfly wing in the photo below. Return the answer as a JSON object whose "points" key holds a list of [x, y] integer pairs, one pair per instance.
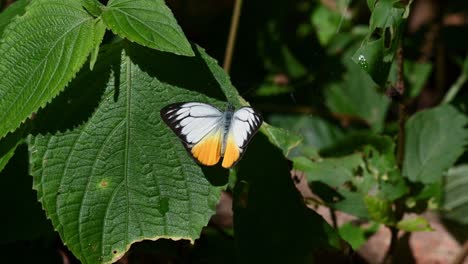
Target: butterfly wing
{"points": [[244, 124], [199, 126]]}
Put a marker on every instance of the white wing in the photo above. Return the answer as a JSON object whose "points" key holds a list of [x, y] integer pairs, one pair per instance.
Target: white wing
{"points": [[245, 123], [192, 121]]}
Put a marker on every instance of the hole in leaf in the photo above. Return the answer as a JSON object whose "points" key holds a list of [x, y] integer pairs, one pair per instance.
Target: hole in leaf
{"points": [[387, 37], [376, 34]]}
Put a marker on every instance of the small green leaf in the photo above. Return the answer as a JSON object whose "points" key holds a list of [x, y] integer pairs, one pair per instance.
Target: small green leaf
{"points": [[327, 23], [42, 51], [100, 30], [282, 138], [17, 8], [455, 194], [434, 140], [380, 210], [9, 144], [414, 224], [417, 74], [147, 22], [354, 235]]}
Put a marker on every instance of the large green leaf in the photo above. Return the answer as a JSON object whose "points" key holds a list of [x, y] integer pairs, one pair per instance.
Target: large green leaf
{"points": [[123, 176], [271, 222], [147, 22], [41, 52], [435, 138], [455, 194], [15, 9]]}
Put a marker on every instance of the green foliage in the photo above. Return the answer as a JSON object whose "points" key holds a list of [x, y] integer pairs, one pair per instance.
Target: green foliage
{"points": [[110, 174], [317, 132], [429, 149], [355, 235], [356, 178], [147, 22]]}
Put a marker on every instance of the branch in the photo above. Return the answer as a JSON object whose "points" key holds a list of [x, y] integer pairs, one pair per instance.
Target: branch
{"points": [[232, 36]]}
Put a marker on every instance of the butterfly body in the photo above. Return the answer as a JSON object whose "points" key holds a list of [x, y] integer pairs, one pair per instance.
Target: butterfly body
{"points": [[209, 134]]}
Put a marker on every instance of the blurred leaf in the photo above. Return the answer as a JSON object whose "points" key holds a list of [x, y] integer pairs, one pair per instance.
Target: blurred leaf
{"points": [[356, 236], [376, 54], [106, 184], [9, 144], [414, 224], [46, 47], [270, 88], [357, 95], [326, 23], [455, 194], [316, 131], [416, 75], [149, 23], [434, 140], [283, 139], [271, 222], [332, 171], [294, 67], [380, 210]]}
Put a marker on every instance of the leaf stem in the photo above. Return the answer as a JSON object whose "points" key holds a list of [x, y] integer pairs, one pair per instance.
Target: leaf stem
{"points": [[232, 36], [456, 86]]}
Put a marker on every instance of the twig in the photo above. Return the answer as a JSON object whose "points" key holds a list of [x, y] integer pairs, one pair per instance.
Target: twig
{"points": [[460, 257], [333, 217], [232, 36]]}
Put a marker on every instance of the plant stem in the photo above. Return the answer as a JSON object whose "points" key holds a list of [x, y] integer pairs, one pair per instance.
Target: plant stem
{"points": [[456, 86], [232, 36], [393, 244], [402, 116]]}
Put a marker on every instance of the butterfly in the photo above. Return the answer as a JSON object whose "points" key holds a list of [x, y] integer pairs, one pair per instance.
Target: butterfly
{"points": [[209, 134]]}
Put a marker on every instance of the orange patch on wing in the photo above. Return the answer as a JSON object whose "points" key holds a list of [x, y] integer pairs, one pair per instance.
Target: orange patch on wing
{"points": [[208, 150], [231, 154]]}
